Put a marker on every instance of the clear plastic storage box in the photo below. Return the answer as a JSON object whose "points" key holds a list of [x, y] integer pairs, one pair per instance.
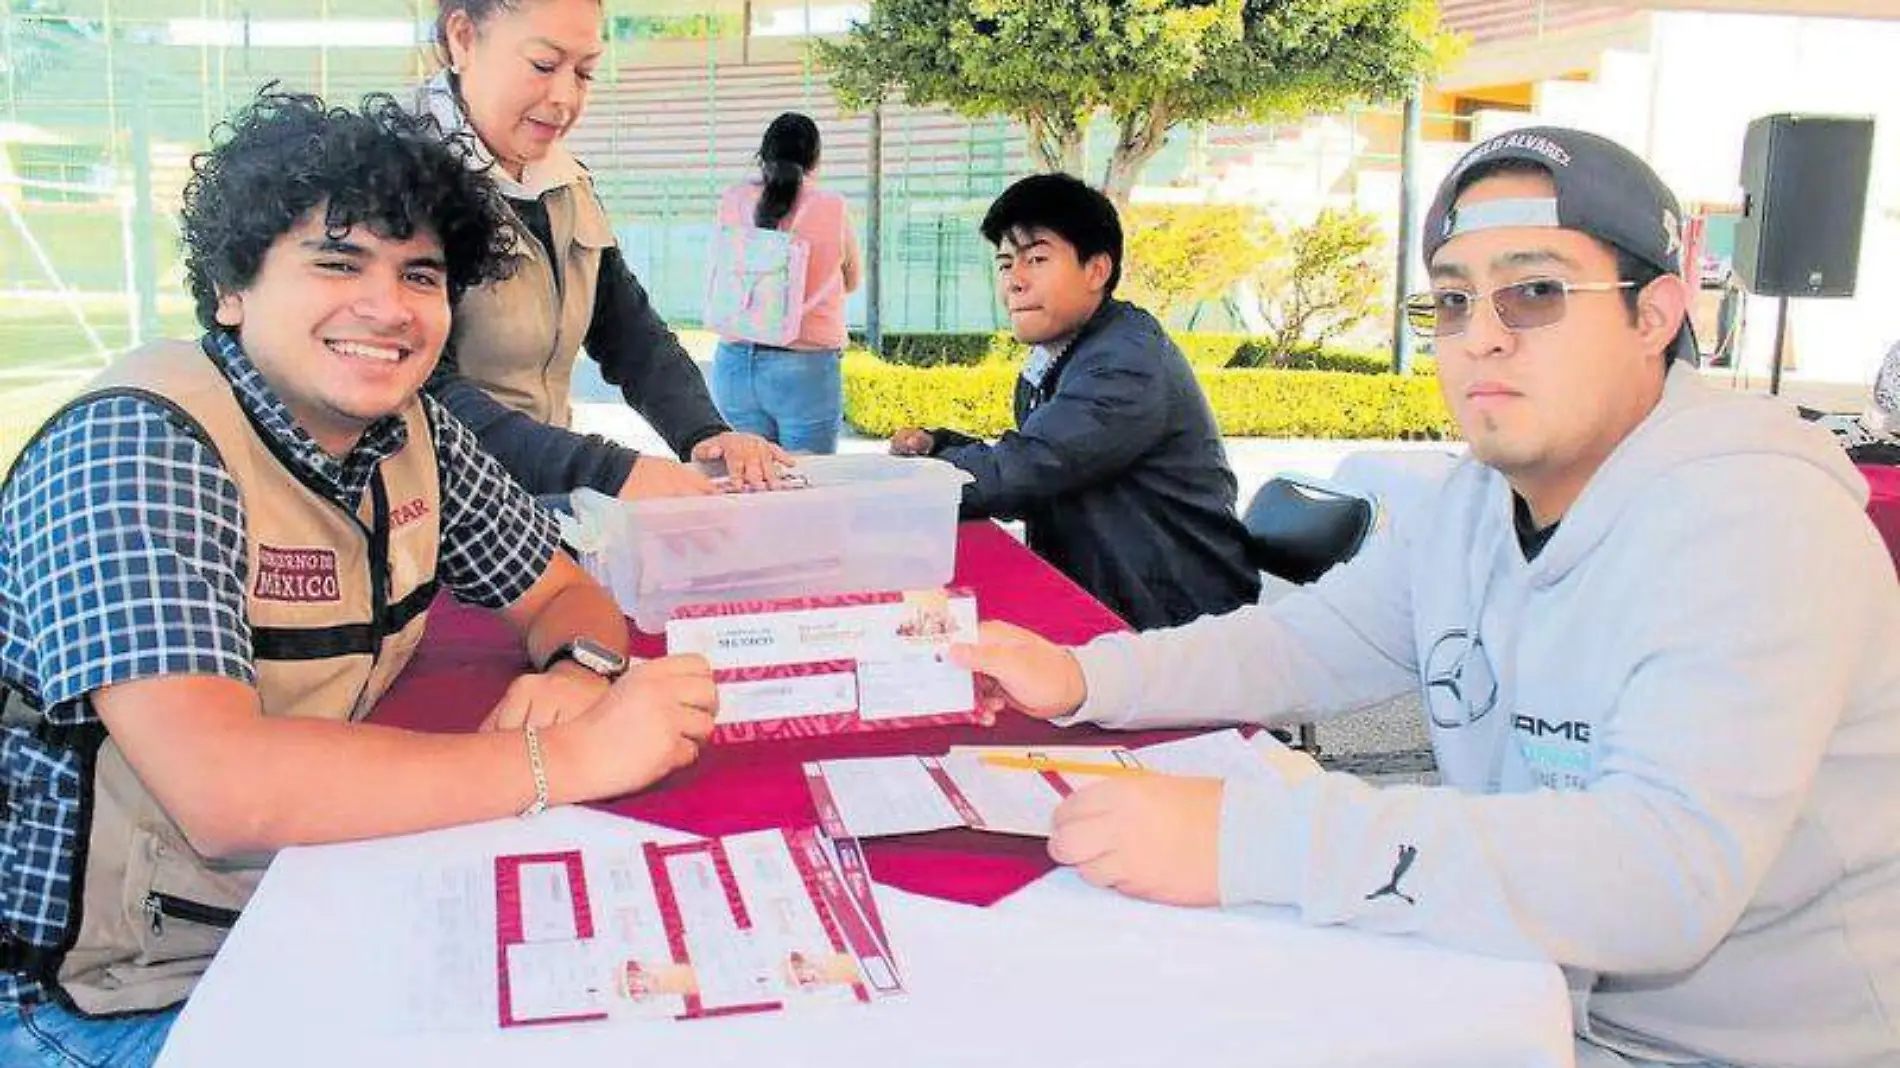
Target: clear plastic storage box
{"points": [[862, 523]]}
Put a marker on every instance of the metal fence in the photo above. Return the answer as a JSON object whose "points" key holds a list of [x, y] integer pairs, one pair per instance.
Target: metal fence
{"points": [[103, 102]]}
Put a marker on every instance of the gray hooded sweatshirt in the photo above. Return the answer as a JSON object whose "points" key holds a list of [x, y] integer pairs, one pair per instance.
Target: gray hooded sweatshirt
{"points": [[1670, 742]]}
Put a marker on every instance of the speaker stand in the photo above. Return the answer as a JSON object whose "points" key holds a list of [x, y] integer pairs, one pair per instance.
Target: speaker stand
{"points": [[1781, 337]]}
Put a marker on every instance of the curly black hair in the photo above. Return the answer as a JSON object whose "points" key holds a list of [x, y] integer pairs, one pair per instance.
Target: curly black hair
{"points": [[285, 155]]}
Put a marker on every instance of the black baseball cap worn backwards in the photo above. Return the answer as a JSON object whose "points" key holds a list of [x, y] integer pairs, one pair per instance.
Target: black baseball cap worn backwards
{"points": [[1603, 190]]}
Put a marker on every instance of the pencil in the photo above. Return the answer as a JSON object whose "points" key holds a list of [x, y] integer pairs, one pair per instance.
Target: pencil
{"points": [[1074, 767]]}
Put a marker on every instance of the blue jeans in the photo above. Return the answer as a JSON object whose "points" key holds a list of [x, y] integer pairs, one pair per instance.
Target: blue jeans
{"points": [[47, 1036], [794, 397]]}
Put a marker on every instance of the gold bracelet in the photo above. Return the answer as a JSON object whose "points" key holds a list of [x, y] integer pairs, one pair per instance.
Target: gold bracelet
{"points": [[540, 803]]}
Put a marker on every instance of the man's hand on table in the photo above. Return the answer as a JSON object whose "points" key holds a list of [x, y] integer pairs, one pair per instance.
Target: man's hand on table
{"points": [[1155, 837], [650, 722], [912, 441], [1019, 669], [542, 699]]}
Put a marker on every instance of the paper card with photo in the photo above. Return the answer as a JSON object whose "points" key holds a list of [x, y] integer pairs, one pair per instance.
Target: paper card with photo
{"points": [[645, 979], [793, 928], [757, 922], [850, 905], [708, 927], [847, 859], [583, 938], [544, 933], [813, 666]]}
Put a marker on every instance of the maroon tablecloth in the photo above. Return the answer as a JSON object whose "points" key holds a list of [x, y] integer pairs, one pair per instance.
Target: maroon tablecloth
{"points": [[1883, 504], [469, 657]]}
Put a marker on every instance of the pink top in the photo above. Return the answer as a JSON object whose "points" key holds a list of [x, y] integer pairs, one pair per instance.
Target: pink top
{"points": [[818, 217]]}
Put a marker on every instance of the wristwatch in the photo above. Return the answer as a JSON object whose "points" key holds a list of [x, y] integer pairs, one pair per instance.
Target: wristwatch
{"points": [[591, 655]]}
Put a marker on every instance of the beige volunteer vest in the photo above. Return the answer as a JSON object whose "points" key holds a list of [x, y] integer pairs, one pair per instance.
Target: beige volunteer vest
{"points": [[336, 604], [518, 338]]}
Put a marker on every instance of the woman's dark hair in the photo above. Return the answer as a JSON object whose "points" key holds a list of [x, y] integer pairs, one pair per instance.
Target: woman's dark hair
{"points": [[478, 11], [787, 153], [1066, 206], [286, 154]]}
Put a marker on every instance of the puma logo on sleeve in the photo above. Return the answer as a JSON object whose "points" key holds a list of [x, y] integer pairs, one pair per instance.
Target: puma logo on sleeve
{"points": [[1407, 854]]}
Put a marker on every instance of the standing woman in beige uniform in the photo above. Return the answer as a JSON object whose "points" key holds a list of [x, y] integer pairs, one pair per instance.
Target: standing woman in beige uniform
{"points": [[517, 78]]}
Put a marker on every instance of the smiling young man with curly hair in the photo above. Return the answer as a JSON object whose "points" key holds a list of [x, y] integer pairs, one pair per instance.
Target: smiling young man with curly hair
{"points": [[219, 557]]}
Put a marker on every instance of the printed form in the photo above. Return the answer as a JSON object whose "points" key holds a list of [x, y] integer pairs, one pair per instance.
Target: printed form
{"points": [[1015, 789], [810, 666]]}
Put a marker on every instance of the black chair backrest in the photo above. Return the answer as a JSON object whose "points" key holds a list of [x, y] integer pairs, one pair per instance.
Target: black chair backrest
{"points": [[1298, 531]]}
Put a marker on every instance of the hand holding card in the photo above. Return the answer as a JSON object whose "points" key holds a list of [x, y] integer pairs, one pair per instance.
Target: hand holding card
{"points": [[810, 666]]}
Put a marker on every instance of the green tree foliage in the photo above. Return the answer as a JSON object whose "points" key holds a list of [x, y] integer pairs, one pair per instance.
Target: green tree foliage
{"points": [[1178, 255], [1149, 64], [1320, 280]]}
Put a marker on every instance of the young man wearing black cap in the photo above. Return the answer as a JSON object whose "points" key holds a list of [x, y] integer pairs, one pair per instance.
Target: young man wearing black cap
{"points": [[1649, 621]]}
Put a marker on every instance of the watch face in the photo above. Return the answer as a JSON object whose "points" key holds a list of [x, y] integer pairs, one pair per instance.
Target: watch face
{"points": [[597, 658]]}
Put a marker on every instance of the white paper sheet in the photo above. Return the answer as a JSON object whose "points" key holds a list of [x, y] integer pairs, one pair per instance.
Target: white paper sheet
{"points": [[919, 684], [555, 980], [876, 796], [1007, 800], [316, 973], [547, 903], [1215, 755], [785, 696], [449, 978], [898, 795]]}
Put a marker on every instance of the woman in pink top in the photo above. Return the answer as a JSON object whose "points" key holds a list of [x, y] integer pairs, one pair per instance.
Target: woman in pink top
{"points": [[792, 395]]}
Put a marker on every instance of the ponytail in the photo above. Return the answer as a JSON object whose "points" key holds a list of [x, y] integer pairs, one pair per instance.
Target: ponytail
{"points": [[782, 180], [787, 153]]}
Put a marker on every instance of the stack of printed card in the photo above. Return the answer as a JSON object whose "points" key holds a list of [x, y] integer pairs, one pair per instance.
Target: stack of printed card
{"points": [[759, 922]]}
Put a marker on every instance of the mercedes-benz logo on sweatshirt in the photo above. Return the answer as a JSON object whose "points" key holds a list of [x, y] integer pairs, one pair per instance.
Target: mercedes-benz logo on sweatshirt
{"points": [[1460, 688]]}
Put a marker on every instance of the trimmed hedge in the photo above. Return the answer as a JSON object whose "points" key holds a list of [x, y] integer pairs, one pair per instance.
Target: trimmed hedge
{"points": [[1326, 404], [880, 398], [1240, 351], [1203, 350], [1212, 350], [939, 350]]}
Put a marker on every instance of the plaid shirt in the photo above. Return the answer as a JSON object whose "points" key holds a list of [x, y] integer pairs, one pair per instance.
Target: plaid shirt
{"points": [[123, 557]]}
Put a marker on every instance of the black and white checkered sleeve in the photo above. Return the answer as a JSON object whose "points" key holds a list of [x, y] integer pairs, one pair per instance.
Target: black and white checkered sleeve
{"points": [[497, 541], [131, 552]]}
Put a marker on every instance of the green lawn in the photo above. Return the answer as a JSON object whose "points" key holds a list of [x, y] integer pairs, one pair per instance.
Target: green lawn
{"points": [[45, 356]]}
